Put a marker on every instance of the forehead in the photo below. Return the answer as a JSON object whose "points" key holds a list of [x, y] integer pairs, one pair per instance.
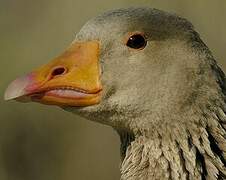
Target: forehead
{"points": [[121, 21]]}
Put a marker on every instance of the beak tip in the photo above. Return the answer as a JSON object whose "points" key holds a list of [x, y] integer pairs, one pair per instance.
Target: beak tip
{"points": [[7, 96], [11, 93], [16, 88]]}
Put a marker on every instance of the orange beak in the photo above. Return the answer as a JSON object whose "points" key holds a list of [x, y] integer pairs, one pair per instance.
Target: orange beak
{"points": [[72, 79]]}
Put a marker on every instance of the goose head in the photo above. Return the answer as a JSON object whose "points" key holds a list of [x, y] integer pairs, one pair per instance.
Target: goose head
{"points": [[132, 69]]}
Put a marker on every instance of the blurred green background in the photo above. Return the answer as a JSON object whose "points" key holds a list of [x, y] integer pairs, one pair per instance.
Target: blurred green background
{"points": [[45, 143]]}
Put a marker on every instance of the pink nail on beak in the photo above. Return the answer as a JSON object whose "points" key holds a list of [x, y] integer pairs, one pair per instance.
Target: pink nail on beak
{"points": [[18, 87]]}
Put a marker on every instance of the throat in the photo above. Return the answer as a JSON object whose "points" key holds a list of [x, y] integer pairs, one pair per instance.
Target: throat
{"points": [[186, 152], [145, 159]]}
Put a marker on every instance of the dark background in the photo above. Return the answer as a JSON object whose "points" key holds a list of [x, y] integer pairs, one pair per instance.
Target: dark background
{"points": [[45, 143]]}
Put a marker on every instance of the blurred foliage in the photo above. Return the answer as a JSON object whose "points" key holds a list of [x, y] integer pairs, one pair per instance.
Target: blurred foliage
{"points": [[45, 143]]}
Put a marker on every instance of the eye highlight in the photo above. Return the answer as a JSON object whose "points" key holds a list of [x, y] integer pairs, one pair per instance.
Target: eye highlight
{"points": [[136, 41]]}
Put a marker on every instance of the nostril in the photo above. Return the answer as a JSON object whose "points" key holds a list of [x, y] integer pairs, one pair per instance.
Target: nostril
{"points": [[58, 71]]}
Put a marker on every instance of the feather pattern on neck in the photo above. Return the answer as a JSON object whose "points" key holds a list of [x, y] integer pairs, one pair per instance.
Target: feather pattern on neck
{"points": [[190, 152]]}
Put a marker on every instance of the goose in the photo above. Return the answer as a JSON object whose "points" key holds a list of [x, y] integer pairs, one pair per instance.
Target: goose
{"points": [[147, 74]]}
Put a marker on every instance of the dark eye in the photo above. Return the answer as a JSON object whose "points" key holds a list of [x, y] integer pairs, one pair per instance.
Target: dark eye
{"points": [[136, 41]]}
